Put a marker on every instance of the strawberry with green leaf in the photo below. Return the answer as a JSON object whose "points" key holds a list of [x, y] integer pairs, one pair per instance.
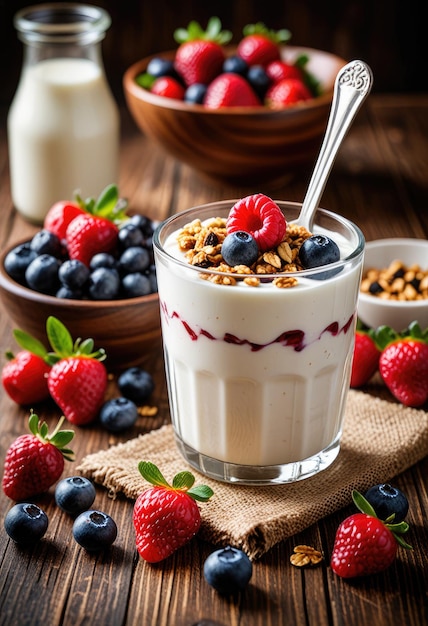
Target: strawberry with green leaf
{"points": [[96, 229], [35, 461], [364, 544], [200, 55], [403, 363], [77, 379], [166, 516], [25, 377], [365, 360], [260, 45]]}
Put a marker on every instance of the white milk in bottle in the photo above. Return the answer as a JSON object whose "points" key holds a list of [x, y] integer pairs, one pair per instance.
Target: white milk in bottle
{"points": [[63, 124]]}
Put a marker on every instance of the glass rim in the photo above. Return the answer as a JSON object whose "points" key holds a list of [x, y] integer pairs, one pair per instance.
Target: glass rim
{"points": [[355, 254], [64, 22]]}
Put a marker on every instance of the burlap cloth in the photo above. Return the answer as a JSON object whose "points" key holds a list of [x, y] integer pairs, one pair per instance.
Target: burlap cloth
{"points": [[380, 440]]}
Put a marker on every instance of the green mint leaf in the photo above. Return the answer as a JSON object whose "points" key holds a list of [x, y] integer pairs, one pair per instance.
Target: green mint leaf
{"points": [[183, 481], [201, 493], [59, 337]]}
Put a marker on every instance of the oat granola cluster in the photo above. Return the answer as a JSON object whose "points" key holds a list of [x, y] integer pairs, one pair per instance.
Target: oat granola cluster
{"points": [[202, 246], [396, 282]]}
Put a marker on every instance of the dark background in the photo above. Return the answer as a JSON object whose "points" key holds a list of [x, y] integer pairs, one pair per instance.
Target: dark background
{"points": [[391, 36]]}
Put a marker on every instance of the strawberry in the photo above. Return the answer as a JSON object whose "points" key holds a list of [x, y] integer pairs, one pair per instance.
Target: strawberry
{"points": [[96, 229], [166, 516], [60, 215], [365, 358], [25, 377], [364, 544], [200, 56], [288, 91], [260, 45], [168, 87], [403, 363], [77, 379], [278, 70], [35, 461], [261, 217], [230, 90]]}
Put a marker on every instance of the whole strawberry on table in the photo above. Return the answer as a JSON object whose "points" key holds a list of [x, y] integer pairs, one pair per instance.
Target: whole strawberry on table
{"points": [[204, 72]]}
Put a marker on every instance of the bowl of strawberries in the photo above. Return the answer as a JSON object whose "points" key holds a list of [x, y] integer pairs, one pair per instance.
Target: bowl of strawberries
{"points": [[90, 266], [249, 113]]}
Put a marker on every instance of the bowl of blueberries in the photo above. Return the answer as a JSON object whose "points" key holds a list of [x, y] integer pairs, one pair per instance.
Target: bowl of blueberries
{"points": [[254, 112], [104, 292]]}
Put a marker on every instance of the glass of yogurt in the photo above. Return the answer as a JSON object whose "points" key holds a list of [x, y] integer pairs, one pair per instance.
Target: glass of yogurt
{"points": [[258, 375]]}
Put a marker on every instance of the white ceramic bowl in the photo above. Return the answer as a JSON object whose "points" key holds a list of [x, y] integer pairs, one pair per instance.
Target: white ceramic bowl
{"points": [[374, 311]]}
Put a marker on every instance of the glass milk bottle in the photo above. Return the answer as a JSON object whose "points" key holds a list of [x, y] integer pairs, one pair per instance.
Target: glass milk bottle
{"points": [[63, 124]]}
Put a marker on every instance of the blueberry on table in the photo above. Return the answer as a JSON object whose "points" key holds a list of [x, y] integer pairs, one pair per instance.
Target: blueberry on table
{"points": [[74, 494], [136, 384], [388, 500], [26, 523], [94, 530], [228, 570], [18, 259], [118, 414], [239, 248]]}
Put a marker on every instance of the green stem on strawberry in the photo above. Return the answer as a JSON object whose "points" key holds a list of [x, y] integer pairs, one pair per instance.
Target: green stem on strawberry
{"points": [[58, 438], [61, 343], [108, 205], [312, 83], [194, 31], [183, 481], [277, 36], [397, 529], [385, 335]]}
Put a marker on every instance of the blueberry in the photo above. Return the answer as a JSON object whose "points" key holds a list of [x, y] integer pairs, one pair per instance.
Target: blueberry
{"points": [[102, 259], [387, 500], [158, 67], [118, 414], [134, 259], [42, 274], [144, 223], [94, 530], [104, 284], [74, 494], [319, 250], [130, 235], [258, 80], [236, 65], [18, 259], [45, 242], [26, 523], [136, 384], [239, 248], [65, 293], [195, 94], [228, 570], [135, 285], [73, 274]]}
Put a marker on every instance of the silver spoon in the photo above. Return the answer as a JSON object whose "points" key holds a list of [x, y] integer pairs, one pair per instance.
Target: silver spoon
{"points": [[352, 85]]}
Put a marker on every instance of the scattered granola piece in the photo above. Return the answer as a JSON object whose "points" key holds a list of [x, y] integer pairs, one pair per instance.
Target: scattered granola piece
{"points": [[306, 556]]}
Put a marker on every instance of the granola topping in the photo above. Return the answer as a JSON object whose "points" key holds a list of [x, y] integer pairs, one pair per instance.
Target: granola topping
{"points": [[396, 282], [202, 243]]}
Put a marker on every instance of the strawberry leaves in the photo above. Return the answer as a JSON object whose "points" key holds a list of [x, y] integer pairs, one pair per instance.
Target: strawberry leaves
{"points": [[183, 481], [195, 32], [108, 205], [58, 438]]}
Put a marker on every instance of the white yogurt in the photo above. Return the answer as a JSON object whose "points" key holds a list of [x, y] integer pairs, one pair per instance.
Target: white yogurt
{"points": [[257, 376], [63, 129]]}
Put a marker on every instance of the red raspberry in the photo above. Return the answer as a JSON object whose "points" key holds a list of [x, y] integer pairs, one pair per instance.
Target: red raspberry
{"points": [[259, 216]]}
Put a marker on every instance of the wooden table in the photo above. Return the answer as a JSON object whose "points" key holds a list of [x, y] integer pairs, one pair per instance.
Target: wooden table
{"points": [[380, 181]]}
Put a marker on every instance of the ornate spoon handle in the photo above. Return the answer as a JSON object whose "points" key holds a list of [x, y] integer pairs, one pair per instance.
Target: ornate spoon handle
{"points": [[352, 85]]}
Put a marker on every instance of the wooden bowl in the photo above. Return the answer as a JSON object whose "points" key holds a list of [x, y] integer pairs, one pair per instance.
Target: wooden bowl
{"points": [[242, 144], [127, 329]]}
